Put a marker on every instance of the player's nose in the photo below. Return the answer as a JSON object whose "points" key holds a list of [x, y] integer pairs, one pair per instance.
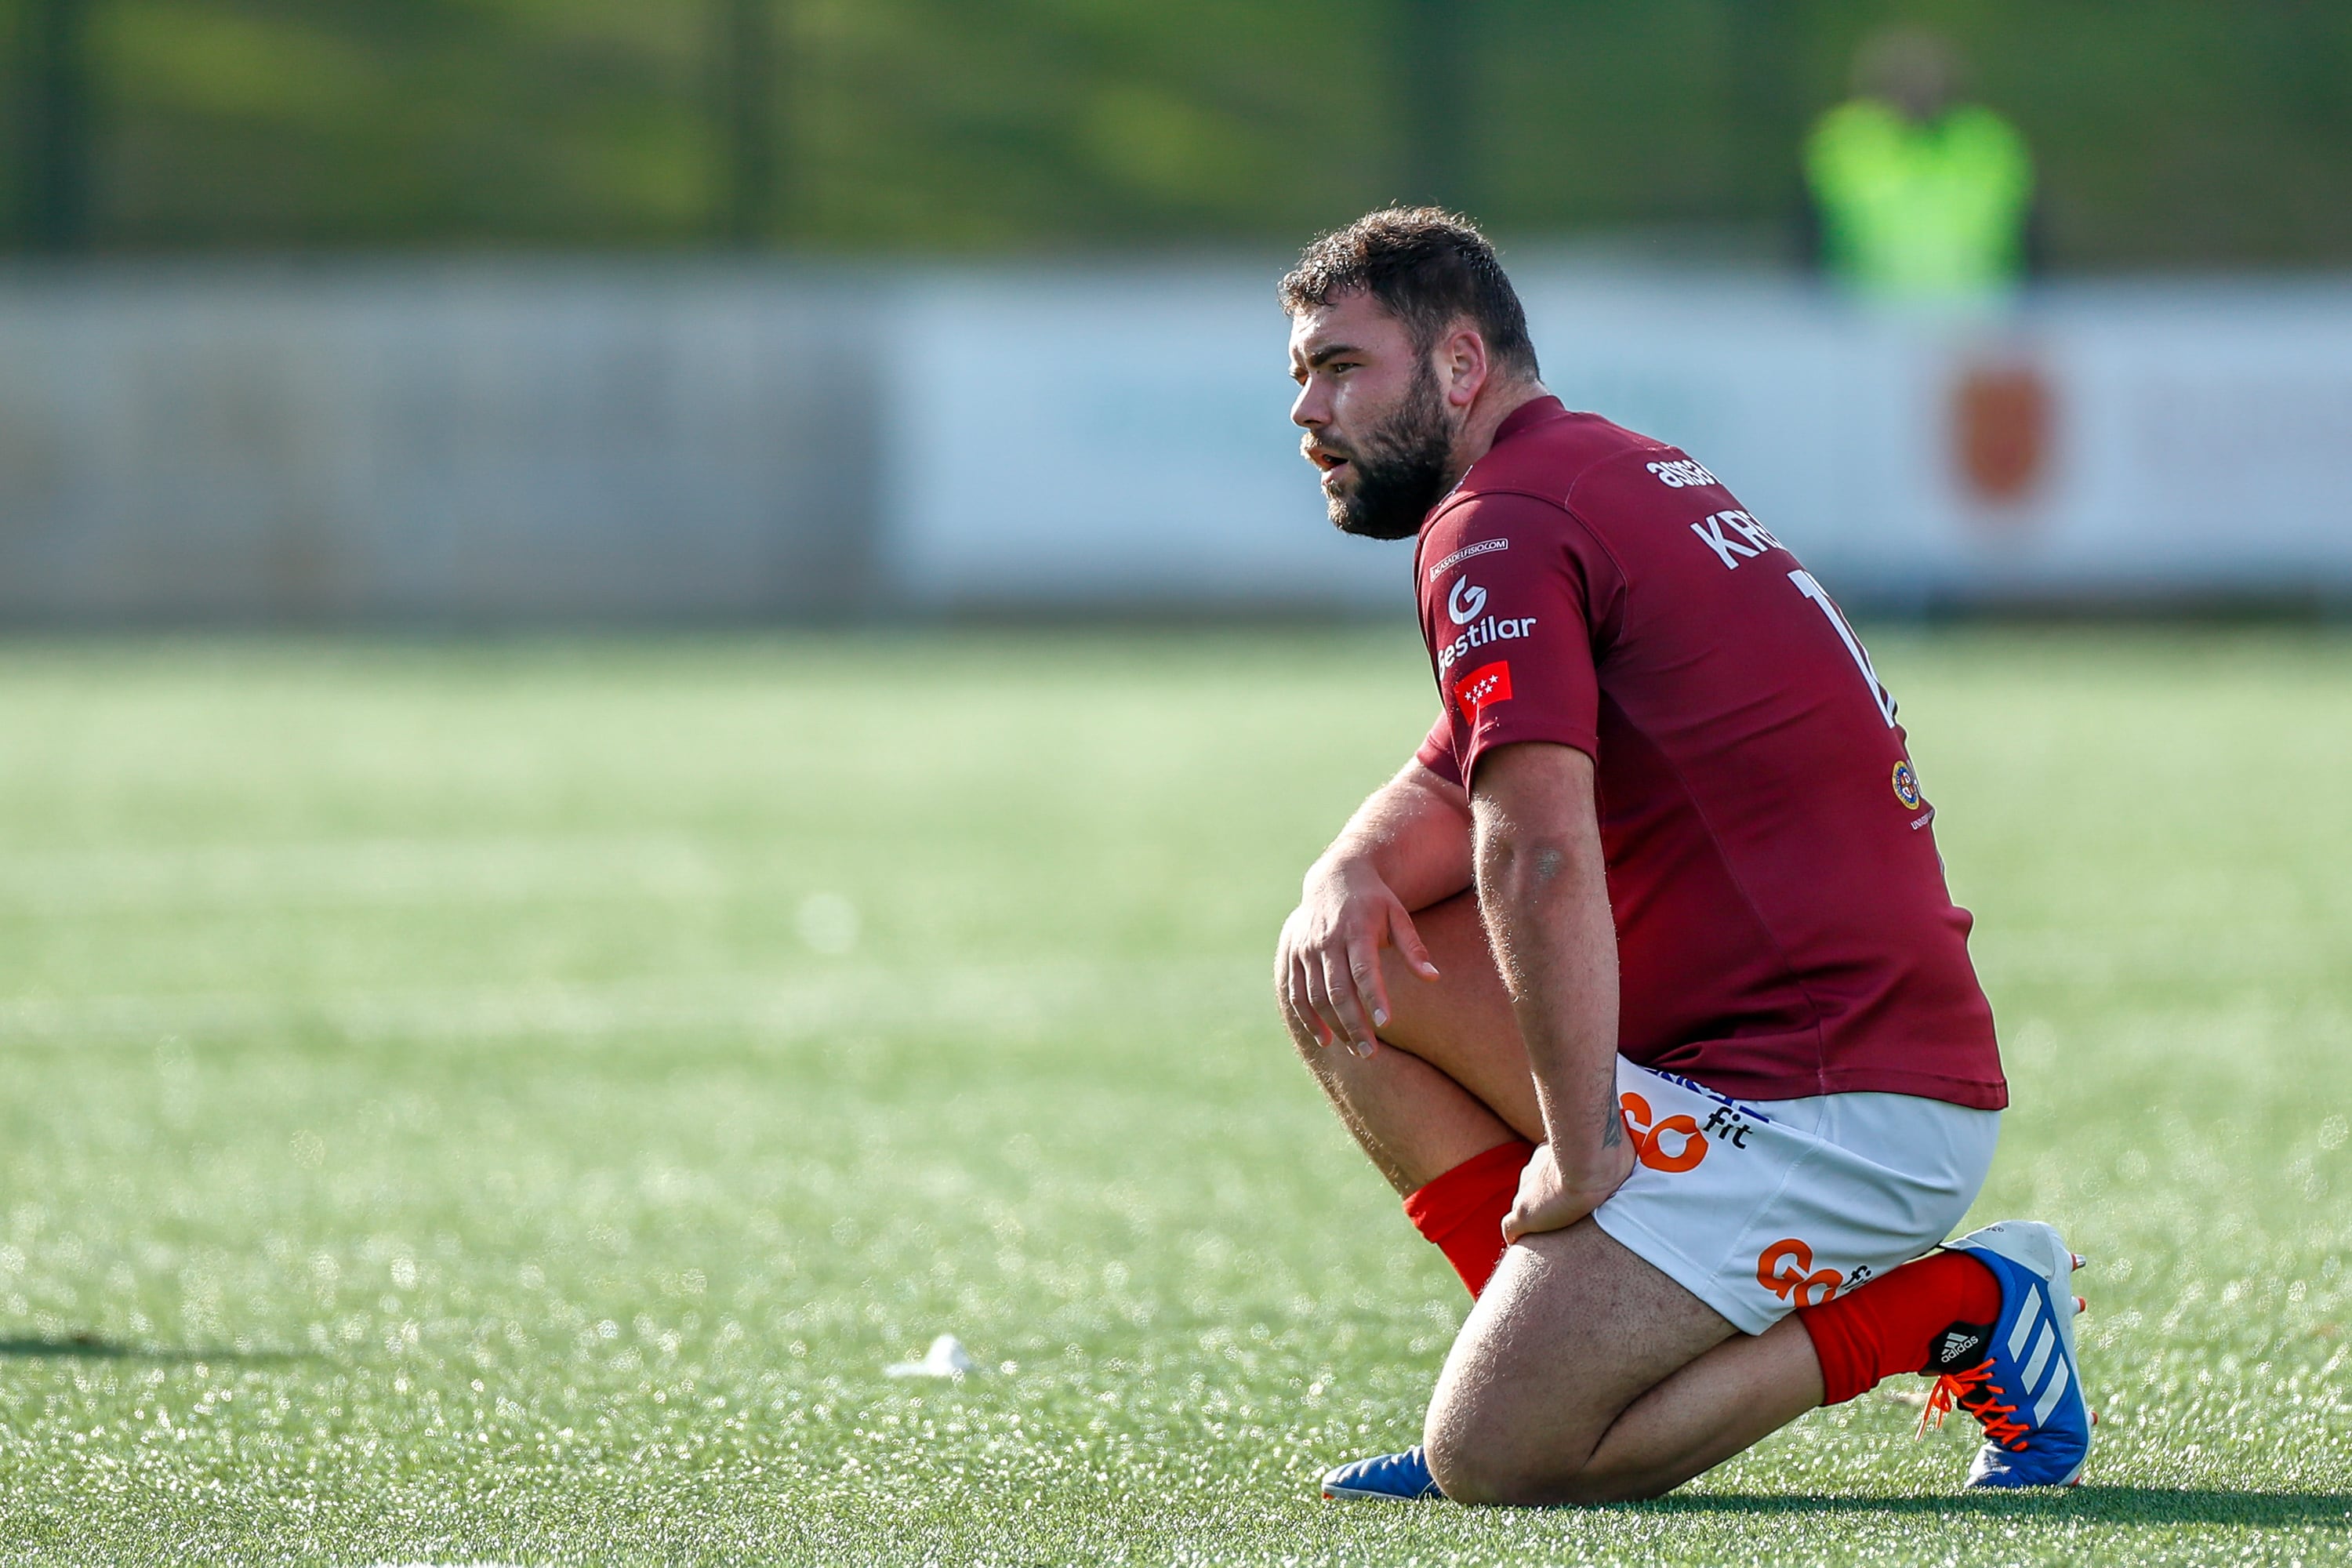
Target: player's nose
{"points": [[1311, 409]]}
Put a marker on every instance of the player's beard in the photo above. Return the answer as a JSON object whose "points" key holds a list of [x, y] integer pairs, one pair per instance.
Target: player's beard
{"points": [[1401, 467]]}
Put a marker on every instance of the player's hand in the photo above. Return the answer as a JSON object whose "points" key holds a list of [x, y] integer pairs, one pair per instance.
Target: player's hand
{"points": [[1327, 967], [1549, 1199]]}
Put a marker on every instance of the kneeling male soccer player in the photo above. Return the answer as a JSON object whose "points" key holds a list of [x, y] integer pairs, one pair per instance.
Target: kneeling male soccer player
{"points": [[1644, 964]]}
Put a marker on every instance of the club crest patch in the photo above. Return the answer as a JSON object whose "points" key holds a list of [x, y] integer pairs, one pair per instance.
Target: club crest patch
{"points": [[1483, 688], [1906, 787]]}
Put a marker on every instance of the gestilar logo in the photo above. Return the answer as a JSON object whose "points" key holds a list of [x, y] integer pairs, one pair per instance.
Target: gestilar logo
{"points": [[1464, 606], [1464, 603]]}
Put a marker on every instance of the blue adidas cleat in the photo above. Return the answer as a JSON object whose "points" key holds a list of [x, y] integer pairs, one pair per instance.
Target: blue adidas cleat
{"points": [[2018, 1376], [1395, 1478]]}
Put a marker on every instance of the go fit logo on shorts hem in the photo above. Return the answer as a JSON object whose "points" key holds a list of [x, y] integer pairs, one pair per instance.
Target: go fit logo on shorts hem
{"points": [[1786, 1269], [1648, 1142]]}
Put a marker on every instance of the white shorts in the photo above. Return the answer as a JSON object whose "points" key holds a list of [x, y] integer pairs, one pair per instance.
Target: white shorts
{"points": [[1760, 1208]]}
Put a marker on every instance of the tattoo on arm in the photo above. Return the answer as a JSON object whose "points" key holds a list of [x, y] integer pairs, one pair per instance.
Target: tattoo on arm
{"points": [[1612, 1131]]}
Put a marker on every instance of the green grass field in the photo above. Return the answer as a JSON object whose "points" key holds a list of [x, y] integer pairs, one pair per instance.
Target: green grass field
{"points": [[509, 1102]]}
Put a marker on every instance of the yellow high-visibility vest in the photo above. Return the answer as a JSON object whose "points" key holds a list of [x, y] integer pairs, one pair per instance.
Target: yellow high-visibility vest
{"points": [[1920, 210]]}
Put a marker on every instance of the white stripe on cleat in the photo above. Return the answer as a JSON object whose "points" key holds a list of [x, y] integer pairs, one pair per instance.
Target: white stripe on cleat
{"points": [[2080, 1261]]}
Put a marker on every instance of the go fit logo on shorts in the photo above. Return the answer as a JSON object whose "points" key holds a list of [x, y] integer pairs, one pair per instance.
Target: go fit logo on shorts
{"points": [[1648, 1142], [1786, 1269]]}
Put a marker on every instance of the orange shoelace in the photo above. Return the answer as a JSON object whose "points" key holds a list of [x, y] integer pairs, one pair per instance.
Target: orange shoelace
{"points": [[1975, 1392]]}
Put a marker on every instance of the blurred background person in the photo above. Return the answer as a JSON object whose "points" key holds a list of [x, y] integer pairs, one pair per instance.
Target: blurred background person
{"points": [[1912, 193]]}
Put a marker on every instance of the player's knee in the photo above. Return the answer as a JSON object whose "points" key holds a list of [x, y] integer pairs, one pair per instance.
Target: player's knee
{"points": [[1483, 1475], [1483, 1458], [1496, 1476], [1472, 1463]]}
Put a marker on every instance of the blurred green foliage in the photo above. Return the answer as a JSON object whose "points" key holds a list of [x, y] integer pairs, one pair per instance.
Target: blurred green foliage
{"points": [[2170, 132]]}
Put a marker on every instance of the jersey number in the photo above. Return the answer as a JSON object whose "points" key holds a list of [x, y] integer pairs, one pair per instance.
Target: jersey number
{"points": [[1820, 595]]}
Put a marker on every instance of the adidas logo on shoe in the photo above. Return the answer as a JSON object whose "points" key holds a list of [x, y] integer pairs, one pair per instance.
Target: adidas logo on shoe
{"points": [[1962, 1344]]}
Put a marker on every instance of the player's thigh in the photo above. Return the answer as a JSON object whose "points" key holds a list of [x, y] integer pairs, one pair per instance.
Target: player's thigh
{"points": [[1572, 1330], [1462, 1022]]}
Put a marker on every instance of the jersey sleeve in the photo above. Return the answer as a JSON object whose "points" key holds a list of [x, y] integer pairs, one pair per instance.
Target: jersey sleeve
{"points": [[1510, 624], [1436, 752]]}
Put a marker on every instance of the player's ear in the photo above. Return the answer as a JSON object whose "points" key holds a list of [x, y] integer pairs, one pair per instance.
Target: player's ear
{"points": [[1463, 366]]}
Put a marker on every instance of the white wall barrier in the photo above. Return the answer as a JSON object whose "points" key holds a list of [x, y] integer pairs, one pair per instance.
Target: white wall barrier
{"points": [[426, 443], [1093, 439], [469, 443]]}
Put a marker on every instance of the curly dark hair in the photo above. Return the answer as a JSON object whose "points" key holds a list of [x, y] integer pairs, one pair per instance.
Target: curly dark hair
{"points": [[1429, 269]]}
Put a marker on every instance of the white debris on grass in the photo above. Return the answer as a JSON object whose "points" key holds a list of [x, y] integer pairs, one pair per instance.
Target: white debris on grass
{"points": [[946, 1358]]}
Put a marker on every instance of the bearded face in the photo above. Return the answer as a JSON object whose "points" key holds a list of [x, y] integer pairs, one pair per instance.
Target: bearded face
{"points": [[1381, 481]]}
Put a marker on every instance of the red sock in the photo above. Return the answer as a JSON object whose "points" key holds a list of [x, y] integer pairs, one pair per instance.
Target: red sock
{"points": [[1933, 1314], [1463, 1210]]}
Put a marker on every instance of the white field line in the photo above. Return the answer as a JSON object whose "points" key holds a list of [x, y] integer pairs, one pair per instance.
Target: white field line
{"points": [[995, 1001]]}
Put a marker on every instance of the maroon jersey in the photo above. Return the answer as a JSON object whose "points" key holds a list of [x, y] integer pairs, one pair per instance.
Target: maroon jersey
{"points": [[1783, 928]]}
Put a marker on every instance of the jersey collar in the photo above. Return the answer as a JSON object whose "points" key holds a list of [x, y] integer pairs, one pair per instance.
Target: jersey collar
{"points": [[1519, 420], [1534, 411]]}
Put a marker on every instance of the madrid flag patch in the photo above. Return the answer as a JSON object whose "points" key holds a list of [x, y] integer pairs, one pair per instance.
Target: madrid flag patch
{"points": [[1482, 687]]}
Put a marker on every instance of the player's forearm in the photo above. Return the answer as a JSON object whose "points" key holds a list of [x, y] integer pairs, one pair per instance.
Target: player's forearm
{"points": [[1546, 904], [1412, 832], [1544, 893]]}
